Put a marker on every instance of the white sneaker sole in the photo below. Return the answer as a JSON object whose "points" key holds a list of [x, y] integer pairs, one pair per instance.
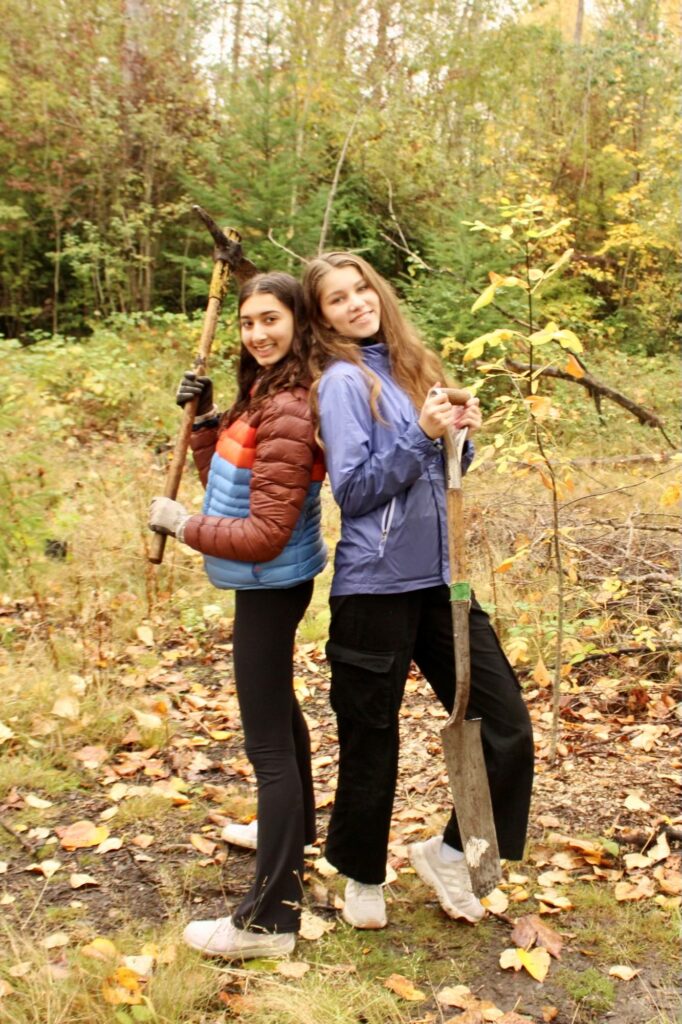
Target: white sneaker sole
{"points": [[421, 865], [247, 953], [247, 843], [367, 926]]}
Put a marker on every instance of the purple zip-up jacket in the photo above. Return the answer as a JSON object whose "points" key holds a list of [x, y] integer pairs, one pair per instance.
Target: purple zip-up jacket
{"points": [[388, 480]]}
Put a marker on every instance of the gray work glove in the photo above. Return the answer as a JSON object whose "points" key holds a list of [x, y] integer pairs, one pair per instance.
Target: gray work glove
{"points": [[189, 387], [168, 517]]}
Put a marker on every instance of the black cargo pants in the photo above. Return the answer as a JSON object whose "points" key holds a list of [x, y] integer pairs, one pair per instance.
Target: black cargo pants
{"points": [[372, 640]]}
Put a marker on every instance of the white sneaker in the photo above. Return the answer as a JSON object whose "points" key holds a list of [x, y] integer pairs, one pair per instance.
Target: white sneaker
{"points": [[450, 879], [364, 905], [222, 938], [246, 836]]}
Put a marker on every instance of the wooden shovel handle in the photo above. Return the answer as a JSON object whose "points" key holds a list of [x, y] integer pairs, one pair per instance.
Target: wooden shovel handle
{"points": [[457, 396], [460, 591], [220, 280]]}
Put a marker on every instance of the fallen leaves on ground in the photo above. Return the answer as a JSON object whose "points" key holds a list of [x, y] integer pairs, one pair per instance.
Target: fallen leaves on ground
{"points": [[293, 968], [82, 835], [123, 988], [623, 972], [534, 961], [531, 931], [404, 988], [462, 997], [313, 927]]}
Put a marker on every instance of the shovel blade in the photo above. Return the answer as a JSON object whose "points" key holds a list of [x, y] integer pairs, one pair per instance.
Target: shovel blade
{"points": [[471, 796]]}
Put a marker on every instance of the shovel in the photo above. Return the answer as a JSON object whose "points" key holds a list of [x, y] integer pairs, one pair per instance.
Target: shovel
{"points": [[461, 737]]}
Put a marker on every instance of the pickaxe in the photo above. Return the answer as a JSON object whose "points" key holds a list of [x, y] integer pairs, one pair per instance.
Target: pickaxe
{"points": [[229, 261]]}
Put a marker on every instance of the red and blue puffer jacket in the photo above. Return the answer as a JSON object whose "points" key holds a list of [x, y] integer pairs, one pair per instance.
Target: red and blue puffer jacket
{"points": [[260, 526]]}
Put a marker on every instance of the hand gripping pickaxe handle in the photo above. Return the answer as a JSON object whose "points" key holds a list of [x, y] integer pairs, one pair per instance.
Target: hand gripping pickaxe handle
{"points": [[228, 261]]}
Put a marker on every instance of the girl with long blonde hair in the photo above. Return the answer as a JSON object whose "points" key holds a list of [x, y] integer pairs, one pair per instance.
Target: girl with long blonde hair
{"points": [[381, 419]]}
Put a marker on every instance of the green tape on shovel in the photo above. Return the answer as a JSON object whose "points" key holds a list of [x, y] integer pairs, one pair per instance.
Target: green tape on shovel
{"points": [[460, 591]]}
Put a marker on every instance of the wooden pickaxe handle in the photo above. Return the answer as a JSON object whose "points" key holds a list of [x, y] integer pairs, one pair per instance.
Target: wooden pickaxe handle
{"points": [[228, 261]]}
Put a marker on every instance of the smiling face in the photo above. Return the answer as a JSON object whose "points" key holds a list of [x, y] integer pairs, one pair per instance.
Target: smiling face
{"points": [[267, 328], [348, 304]]}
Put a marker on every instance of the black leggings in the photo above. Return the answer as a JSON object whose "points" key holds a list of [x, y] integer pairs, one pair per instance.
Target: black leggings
{"points": [[278, 746], [372, 640]]}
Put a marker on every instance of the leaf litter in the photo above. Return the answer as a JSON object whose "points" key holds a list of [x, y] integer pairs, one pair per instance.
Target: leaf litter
{"points": [[202, 763]]}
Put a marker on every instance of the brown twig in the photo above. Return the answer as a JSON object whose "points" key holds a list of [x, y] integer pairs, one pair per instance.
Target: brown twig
{"points": [[591, 384], [8, 828], [638, 837]]}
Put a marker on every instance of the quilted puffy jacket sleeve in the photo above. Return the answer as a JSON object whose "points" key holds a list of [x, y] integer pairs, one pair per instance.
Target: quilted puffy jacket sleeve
{"points": [[282, 468], [202, 443]]}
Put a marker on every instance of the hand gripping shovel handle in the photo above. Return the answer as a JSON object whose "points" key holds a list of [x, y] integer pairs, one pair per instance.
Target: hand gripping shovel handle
{"points": [[220, 280]]}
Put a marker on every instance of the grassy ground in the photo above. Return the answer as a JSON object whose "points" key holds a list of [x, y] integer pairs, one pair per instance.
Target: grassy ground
{"points": [[116, 674]]}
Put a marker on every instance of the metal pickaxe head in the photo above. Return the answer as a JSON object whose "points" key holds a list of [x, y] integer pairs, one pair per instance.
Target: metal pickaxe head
{"points": [[228, 248]]}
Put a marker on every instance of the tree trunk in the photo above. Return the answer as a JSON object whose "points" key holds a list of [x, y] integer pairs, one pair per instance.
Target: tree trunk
{"points": [[579, 17], [57, 270]]}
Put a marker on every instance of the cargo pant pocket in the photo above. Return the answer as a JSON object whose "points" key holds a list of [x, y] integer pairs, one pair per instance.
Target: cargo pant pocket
{"points": [[364, 685]]}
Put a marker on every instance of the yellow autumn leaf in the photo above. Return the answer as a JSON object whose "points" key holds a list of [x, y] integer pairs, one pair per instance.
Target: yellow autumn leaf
{"points": [[484, 299], [540, 674], [505, 565], [313, 927], [122, 988], [517, 649], [671, 496], [67, 707], [78, 880], [455, 995], [539, 406], [55, 941], [110, 844], [172, 789], [623, 972], [543, 336], [203, 845], [142, 964], [147, 720], [634, 802], [100, 949], [510, 958], [21, 969], [568, 340], [573, 367], [31, 800], [404, 988], [81, 835], [146, 635], [496, 902], [535, 961], [293, 968], [46, 868], [474, 350], [5, 733]]}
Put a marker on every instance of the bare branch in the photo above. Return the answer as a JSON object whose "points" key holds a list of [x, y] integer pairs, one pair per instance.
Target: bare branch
{"points": [[335, 180], [593, 385], [290, 252]]}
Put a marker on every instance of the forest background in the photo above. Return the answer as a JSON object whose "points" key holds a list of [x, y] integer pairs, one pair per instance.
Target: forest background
{"points": [[513, 169]]}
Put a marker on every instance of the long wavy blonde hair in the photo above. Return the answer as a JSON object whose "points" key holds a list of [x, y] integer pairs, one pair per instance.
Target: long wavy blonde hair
{"points": [[414, 367]]}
